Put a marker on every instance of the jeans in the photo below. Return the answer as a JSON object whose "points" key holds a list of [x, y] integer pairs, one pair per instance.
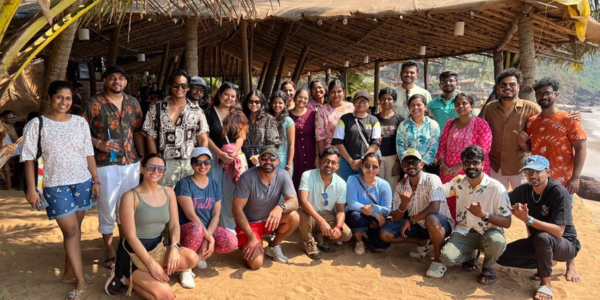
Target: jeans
{"points": [[359, 223], [345, 170]]}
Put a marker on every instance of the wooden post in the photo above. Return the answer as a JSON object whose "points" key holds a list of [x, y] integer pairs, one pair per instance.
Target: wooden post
{"points": [[221, 68], [376, 87], [300, 64], [113, 46], [163, 65], [201, 59], [263, 73], [246, 65], [498, 62], [279, 74], [527, 56], [276, 57], [92, 70], [170, 67], [191, 46], [425, 65], [250, 51], [327, 78]]}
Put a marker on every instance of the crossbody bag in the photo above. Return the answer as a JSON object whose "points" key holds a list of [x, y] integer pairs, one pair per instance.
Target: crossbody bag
{"points": [[362, 136]]}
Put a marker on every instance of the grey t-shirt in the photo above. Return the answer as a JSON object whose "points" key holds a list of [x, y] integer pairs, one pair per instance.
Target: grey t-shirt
{"points": [[261, 198]]}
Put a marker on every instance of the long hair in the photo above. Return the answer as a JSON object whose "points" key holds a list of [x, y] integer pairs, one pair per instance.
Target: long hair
{"points": [[263, 104], [236, 123], [216, 98], [284, 114]]}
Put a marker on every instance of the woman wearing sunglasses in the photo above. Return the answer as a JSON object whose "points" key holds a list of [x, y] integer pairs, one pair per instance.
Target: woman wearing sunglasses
{"points": [[145, 211], [199, 201], [369, 200], [263, 127]]}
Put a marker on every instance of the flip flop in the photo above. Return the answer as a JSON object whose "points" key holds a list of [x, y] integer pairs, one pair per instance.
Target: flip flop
{"points": [[471, 265], [75, 294], [110, 260], [542, 289], [535, 277], [87, 278], [487, 279]]}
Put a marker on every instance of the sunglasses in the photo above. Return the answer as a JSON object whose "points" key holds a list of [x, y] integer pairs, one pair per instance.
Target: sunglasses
{"points": [[533, 172], [153, 167], [180, 85], [474, 163], [325, 198], [199, 89], [10, 118], [408, 163], [370, 166], [544, 94], [268, 157], [327, 161], [255, 102], [510, 84], [205, 162]]}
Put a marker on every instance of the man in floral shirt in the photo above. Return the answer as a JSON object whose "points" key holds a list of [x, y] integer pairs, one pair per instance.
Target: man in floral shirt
{"points": [[482, 210], [115, 120]]}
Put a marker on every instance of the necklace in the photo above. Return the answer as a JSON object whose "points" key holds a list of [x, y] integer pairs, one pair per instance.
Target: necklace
{"points": [[533, 196]]}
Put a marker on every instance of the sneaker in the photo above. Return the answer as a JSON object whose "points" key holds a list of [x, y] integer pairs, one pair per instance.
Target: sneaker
{"points": [[337, 242], [186, 279], [323, 244], [311, 250], [113, 285], [276, 254], [421, 251], [201, 264], [359, 248], [436, 270]]}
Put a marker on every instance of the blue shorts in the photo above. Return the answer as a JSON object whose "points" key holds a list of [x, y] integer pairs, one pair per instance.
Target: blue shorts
{"points": [[416, 231], [64, 200]]}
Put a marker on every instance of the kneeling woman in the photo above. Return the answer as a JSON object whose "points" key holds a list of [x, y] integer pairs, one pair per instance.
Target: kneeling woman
{"points": [[199, 198], [143, 262]]}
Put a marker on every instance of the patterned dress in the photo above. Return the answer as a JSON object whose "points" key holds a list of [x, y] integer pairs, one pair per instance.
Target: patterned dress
{"points": [[305, 148], [327, 118], [425, 138], [283, 148]]}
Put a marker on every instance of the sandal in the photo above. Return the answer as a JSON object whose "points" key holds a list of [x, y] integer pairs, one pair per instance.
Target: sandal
{"points": [[87, 278], [487, 279], [542, 289], [75, 294], [535, 277], [110, 263], [471, 265]]}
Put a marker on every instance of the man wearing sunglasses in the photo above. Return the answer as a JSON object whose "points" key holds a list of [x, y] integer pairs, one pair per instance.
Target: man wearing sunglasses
{"points": [[322, 196], [420, 213], [198, 92], [482, 211], [257, 209], [545, 206], [175, 129]]}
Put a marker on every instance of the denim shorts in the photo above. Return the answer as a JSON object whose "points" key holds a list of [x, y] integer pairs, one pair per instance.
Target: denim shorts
{"points": [[64, 200], [416, 231]]}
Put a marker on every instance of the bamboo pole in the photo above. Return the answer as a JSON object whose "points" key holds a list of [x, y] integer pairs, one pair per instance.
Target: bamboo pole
{"points": [[163, 65], [246, 64], [376, 86], [279, 74], [263, 74], [201, 61], [113, 46], [276, 57], [300, 63]]}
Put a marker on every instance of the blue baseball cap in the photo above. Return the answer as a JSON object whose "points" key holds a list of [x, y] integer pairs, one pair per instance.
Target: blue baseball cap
{"points": [[197, 80], [536, 162], [201, 151]]}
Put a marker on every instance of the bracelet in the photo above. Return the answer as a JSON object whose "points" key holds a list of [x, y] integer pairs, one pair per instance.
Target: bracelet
{"points": [[288, 167], [339, 227], [97, 182], [98, 143], [402, 211], [322, 220]]}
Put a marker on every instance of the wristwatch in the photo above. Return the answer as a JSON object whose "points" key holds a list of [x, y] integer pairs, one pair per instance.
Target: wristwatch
{"points": [[530, 221], [282, 206], [340, 228], [176, 245], [486, 218]]}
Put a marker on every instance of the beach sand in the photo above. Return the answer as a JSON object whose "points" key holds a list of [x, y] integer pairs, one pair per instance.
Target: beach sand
{"points": [[32, 258]]}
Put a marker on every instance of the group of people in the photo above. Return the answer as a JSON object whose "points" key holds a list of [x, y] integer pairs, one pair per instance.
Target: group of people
{"points": [[421, 171]]}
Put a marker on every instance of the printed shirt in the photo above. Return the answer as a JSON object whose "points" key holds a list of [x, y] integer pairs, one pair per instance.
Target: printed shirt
{"points": [[552, 137], [262, 132], [176, 140], [490, 192], [443, 110], [65, 148], [425, 138], [326, 120], [347, 133], [103, 116], [400, 106], [313, 183], [429, 189], [505, 152]]}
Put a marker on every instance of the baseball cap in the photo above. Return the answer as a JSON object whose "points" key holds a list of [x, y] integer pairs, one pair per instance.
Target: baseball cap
{"points": [[362, 94], [201, 151], [113, 69], [270, 150], [411, 152], [535, 162], [197, 80]]}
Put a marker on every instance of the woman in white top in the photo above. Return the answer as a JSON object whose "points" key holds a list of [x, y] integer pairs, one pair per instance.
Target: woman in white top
{"points": [[70, 182]]}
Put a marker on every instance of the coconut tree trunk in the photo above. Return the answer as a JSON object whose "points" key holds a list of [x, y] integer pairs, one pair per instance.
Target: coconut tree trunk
{"points": [[527, 56], [113, 46], [58, 60], [191, 46]]}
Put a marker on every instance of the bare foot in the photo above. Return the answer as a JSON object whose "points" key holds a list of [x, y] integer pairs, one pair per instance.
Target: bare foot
{"points": [[542, 295], [572, 274]]}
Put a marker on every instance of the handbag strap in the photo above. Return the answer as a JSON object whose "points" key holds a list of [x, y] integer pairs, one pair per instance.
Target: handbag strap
{"points": [[158, 123], [220, 121], [360, 132], [365, 189], [39, 141]]}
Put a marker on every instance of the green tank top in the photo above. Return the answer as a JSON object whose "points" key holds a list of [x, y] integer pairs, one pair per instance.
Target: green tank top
{"points": [[150, 220]]}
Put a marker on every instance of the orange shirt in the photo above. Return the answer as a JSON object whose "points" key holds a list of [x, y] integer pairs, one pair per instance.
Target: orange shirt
{"points": [[552, 137]]}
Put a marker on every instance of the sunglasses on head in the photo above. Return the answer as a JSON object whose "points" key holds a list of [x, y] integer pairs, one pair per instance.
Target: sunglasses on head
{"points": [[408, 163], [153, 167], [180, 85], [205, 162], [269, 157], [370, 166]]}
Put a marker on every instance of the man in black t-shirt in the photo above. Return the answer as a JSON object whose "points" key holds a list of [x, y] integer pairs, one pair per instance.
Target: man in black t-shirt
{"points": [[546, 208]]}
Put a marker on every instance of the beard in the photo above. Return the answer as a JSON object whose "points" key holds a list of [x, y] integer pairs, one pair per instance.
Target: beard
{"points": [[473, 173], [267, 168]]}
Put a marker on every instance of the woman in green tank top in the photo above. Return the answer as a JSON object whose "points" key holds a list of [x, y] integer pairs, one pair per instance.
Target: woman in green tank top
{"points": [[144, 212]]}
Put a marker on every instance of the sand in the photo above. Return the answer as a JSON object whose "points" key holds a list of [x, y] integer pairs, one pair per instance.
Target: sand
{"points": [[32, 258]]}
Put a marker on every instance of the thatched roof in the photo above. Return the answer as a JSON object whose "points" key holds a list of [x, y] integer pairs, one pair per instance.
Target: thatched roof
{"points": [[385, 30]]}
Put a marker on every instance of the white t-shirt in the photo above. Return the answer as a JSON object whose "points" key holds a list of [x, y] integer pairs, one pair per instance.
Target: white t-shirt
{"points": [[65, 148], [400, 106], [312, 183]]}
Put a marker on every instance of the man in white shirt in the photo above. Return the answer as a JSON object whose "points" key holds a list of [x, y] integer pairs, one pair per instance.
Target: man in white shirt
{"points": [[482, 210], [409, 74]]}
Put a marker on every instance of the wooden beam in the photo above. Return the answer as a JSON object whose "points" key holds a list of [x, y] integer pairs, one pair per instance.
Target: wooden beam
{"points": [[513, 28], [246, 64], [276, 57], [163, 65], [300, 63], [113, 46], [279, 74], [376, 87], [527, 53], [263, 74]]}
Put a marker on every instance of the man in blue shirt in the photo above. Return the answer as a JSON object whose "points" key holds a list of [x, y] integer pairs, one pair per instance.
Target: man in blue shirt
{"points": [[442, 107]]}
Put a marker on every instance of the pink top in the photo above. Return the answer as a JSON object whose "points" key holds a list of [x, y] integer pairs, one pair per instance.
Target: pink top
{"points": [[454, 141], [327, 118]]}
